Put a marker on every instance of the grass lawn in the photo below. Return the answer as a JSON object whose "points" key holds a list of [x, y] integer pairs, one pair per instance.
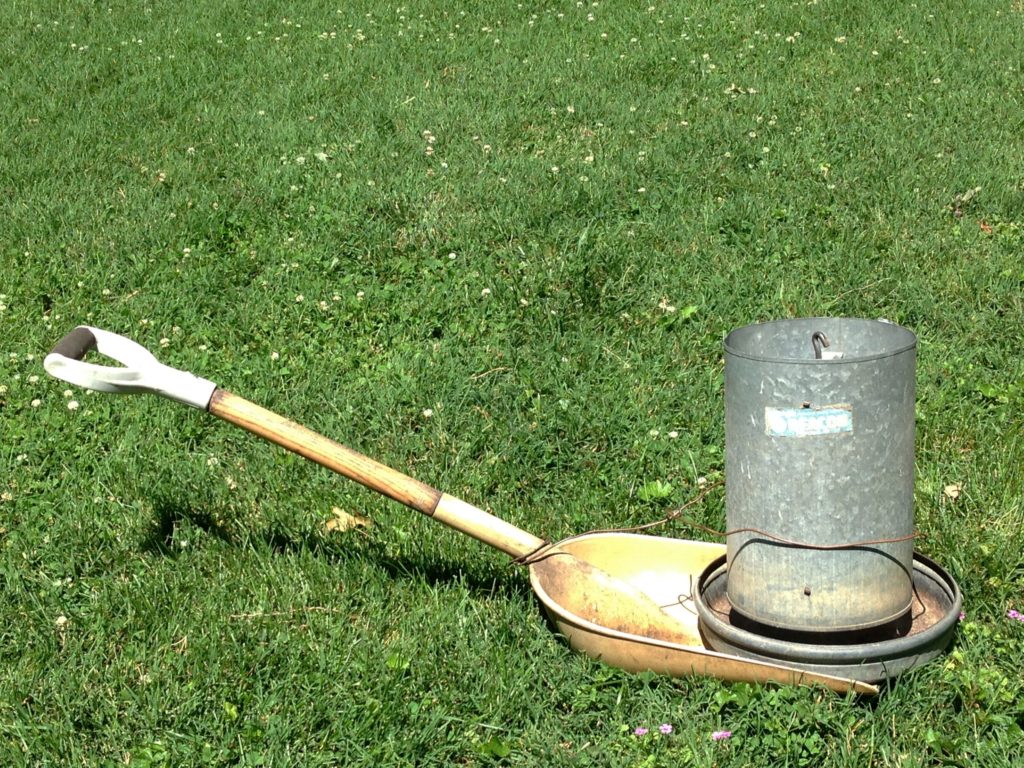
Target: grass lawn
{"points": [[497, 248]]}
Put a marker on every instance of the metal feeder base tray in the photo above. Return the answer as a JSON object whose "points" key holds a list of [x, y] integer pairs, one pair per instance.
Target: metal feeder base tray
{"points": [[878, 655]]}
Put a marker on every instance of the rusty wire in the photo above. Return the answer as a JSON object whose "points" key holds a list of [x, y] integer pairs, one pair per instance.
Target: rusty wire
{"points": [[545, 550]]}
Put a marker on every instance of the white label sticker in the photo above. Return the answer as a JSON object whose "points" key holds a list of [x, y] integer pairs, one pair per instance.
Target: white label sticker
{"points": [[807, 422]]}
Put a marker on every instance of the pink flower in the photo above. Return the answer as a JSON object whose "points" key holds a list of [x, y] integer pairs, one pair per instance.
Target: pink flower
{"points": [[665, 728], [1017, 615], [640, 731], [721, 735]]}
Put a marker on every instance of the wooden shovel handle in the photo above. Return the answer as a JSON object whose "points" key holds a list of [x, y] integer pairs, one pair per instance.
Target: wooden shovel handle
{"points": [[378, 477], [315, 447], [141, 372]]}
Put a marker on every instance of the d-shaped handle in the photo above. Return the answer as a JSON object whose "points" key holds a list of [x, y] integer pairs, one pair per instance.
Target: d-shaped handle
{"points": [[139, 370]]}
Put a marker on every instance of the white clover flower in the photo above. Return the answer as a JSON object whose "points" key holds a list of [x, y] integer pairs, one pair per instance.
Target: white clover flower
{"points": [[72, 405], [36, 403], [428, 413]]}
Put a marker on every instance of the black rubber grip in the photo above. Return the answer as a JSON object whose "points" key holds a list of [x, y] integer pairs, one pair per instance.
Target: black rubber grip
{"points": [[76, 343]]}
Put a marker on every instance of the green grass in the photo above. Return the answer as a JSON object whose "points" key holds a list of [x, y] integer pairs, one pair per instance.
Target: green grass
{"points": [[356, 212]]}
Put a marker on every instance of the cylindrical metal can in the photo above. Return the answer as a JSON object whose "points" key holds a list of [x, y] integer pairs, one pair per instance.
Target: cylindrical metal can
{"points": [[819, 462]]}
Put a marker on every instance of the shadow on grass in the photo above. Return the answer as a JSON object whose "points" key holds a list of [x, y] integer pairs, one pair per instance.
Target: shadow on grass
{"points": [[505, 578], [172, 517]]}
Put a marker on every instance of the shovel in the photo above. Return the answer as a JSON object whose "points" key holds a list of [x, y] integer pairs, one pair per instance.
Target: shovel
{"points": [[621, 598]]}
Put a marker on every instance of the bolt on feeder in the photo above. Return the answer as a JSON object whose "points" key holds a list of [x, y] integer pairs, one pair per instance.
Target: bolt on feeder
{"points": [[820, 566]]}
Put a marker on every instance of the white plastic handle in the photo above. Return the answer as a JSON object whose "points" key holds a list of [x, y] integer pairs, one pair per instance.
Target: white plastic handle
{"points": [[141, 372]]}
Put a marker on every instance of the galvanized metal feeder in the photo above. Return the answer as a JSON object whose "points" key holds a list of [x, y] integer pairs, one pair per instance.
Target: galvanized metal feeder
{"points": [[820, 569]]}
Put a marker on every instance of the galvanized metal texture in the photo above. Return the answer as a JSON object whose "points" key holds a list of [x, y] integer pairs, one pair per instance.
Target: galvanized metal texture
{"points": [[820, 450], [875, 656]]}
